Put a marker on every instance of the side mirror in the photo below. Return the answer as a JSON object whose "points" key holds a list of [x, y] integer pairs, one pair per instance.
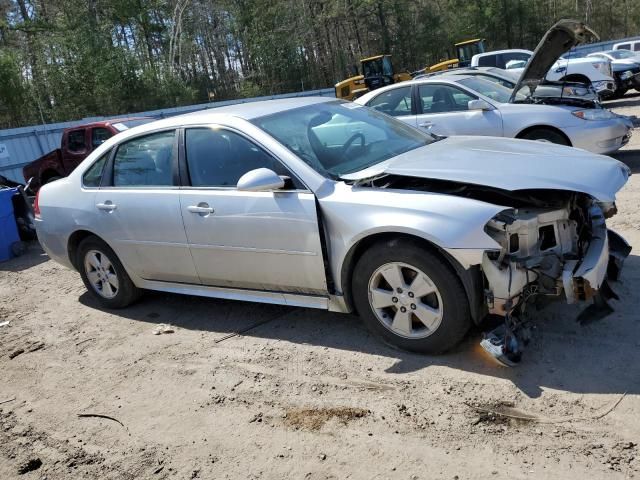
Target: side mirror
{"points": [[260, 180], [479, 105]]}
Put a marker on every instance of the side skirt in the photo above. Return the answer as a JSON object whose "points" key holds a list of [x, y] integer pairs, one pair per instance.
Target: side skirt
{"points": [[332, 303]]}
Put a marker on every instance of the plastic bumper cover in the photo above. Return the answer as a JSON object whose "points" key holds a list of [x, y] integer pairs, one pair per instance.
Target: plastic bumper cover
{"points": [[604, 258]]}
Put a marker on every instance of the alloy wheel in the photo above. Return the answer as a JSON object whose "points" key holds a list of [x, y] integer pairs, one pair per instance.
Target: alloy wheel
{"points": [[101, 274], [405, 300]]}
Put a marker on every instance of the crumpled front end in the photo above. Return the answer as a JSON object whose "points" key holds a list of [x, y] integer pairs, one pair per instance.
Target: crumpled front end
{"points": [[565, 252]]}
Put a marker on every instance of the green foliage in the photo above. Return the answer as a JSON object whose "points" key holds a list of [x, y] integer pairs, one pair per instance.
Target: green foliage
{"points": [[68, 59]]}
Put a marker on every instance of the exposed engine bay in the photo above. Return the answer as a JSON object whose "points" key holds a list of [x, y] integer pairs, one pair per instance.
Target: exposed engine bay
{"points": [[554, 244]]}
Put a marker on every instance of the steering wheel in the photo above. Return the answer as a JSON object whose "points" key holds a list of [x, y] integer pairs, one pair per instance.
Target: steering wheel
{"points": [[347, 144]]}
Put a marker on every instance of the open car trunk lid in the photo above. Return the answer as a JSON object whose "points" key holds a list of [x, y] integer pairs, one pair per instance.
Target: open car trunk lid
{"points": [[558, 40]]}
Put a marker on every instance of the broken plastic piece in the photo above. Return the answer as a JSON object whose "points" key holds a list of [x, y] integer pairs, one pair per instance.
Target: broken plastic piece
{"points": [[503, 346]]}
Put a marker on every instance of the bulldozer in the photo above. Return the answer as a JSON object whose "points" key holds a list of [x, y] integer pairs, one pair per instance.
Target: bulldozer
{"points": [[377, 71], [464, 50]]}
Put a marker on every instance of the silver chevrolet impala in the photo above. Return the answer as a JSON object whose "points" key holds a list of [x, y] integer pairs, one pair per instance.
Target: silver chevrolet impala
{"points": [[318, 203]]}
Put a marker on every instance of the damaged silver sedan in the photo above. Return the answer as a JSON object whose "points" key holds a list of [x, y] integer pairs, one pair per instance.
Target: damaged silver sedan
{"points": [[320, 203]]}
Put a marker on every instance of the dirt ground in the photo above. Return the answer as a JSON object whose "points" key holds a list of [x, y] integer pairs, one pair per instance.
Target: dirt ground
{"points": [[308, 394]]}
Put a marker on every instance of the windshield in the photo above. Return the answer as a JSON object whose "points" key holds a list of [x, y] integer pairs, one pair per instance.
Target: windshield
{"points": [[337, 138], [493, 90], [620, 54]]}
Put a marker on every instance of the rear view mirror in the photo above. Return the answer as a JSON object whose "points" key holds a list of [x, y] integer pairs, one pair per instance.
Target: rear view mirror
{"points": [[479, 105], [260, 180]]}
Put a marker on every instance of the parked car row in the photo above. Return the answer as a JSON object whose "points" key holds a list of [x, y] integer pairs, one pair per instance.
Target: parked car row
{"points": [[591, 71], [610, 73], [495, 102]]}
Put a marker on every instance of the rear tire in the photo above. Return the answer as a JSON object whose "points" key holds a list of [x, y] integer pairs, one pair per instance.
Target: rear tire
{"points": [[546, 134], [410, 297], [103, 274]]}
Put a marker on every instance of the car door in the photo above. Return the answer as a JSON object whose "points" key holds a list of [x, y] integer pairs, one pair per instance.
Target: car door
{"points": [[444, 110], [397, 102], [137, 209], [265, 240]]}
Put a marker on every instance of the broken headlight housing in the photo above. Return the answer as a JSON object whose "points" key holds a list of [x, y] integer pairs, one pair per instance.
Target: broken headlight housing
{"points": [[534, 244]]}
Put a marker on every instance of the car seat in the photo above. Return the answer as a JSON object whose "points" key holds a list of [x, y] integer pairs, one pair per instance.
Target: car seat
{"points": [[136, 169]]}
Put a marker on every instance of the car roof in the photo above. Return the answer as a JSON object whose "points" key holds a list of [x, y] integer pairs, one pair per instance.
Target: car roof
{"points": [[247, 111], [496, 52], [440, 78], [250, 110], [436, 79], [110, 121]]}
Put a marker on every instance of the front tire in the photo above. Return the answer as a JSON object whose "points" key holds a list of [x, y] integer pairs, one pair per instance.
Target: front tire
{"points": [[103, 274], [547, 135], [410, 297]]}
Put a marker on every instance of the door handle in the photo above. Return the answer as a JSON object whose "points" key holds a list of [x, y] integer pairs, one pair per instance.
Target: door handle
{"points": [[107, 206], [201, 208], [426, 124]]}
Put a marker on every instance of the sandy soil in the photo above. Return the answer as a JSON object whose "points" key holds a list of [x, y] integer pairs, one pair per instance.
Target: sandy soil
{"points": [[309, 394]]}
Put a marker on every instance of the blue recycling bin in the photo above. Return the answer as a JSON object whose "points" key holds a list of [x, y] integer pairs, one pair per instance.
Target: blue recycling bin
{"points": [[8, 228]]}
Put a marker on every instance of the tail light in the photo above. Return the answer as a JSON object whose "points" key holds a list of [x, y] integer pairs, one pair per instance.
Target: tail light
{"points": [[36, 206]]}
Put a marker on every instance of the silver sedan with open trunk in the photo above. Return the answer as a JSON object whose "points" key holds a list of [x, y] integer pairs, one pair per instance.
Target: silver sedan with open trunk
{"points": [[320, 203]]}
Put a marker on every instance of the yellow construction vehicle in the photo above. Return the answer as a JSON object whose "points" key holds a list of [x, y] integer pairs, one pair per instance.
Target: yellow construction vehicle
{"points": [[465, 50], [378, 71]]}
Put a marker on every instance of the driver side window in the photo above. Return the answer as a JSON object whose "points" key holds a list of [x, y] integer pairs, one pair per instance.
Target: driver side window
{"points": [[395, 102], [218, 158]]}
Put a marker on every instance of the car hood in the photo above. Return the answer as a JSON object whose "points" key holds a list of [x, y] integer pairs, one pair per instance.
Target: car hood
{"points": [[558, 40], [507, 164]]}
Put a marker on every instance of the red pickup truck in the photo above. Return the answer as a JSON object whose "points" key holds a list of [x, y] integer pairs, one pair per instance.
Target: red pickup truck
{"points": [[77, 143]]}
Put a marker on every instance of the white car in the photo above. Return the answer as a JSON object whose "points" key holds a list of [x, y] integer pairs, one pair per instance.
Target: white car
{"points": [[596, 71], [469, 105], [625, 66]]}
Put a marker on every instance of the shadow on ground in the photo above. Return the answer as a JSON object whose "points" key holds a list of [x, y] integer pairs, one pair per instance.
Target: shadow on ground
{"points": [[32, 257], [630, 157], [631, 99], [600, 358]]}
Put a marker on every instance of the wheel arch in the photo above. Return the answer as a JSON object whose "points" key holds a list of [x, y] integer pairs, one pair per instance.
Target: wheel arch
{"points": [[48, 174], [576, 77], [532, 128], [472, 278], [74, 242]]}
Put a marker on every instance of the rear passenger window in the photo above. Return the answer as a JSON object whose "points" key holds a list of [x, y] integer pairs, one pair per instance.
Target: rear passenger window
{"points": [[145, 161], [395, 102], [93, 175], [218, 158]]}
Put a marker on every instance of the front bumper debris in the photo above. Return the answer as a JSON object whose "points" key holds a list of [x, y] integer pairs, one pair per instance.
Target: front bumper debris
{"points": [[579, 280]]}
